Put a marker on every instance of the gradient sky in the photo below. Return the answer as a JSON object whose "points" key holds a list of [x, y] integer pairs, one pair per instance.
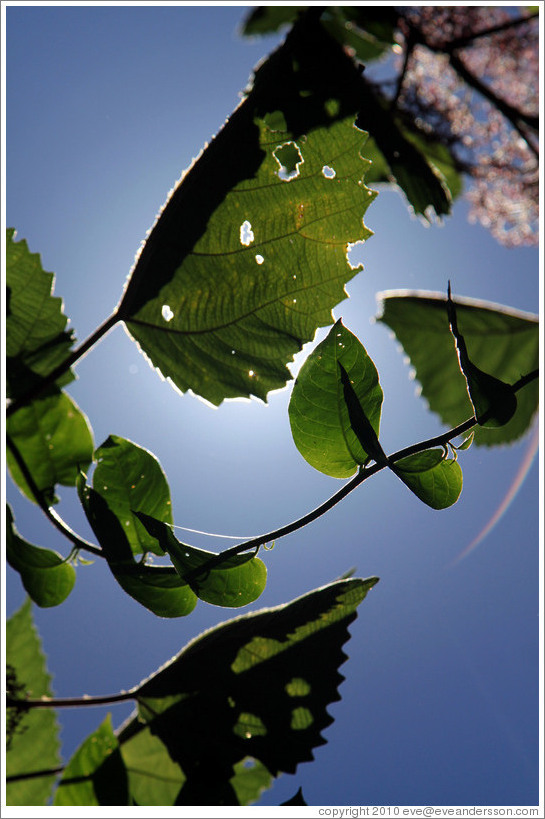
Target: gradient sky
{"points": [[105, 107]]}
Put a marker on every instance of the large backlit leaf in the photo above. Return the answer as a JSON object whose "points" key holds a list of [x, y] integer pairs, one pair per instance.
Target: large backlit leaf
{"points": [[34, 746], [45, 574], [166, 595], [249, 255], [36, 339], [53, 438], [130, 479], [96, 774], [257, 686], [436, 480], [503, 343], [494, 401], [320, 417], [235, 582]]}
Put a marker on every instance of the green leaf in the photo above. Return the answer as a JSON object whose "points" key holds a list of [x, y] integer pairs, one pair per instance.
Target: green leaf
{"points": [[268, 19], [130, 479], [420, 180], [503, 342], [250, 779], [367, 31], [246, 260], [45, 574], [55, 441], [235, 582], [96, 774], [259, 685], [494, 401], [436, 480], [359, 421], [35, 744], [166, 595], [36, 340], [321, 421]]}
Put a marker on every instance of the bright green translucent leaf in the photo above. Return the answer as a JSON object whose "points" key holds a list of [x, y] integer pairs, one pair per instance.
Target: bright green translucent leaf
{"points": [[494, 401], [250, 779], [166, 595], [247, 260], [55, 441], [359, 421], [154, 779], [237, 581], [436, 480], [503, 342], [319, 415], [96, 774], [466, 443], [34, 745], [130, 479], [237, 676], [36, 339], [45, 574]]}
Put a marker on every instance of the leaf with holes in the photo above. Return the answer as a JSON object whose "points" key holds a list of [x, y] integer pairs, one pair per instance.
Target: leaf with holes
{"points": [[249, 255], [503, 342], [259, 685], [334, 435]]}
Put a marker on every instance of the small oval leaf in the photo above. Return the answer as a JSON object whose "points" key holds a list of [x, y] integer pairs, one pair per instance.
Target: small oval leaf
{"points": [[323, 423], [436, 480]]}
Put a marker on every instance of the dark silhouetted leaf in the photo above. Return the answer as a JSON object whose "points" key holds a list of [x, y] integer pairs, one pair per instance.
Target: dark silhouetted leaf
{"points": [[321, 420], [35, 744], [166, 595], [245, 260], [55, 441], [96, 774], [36, 339], [297, 799], [494, 401], [503, 342], [45, 574], [235, 582], [130, 479], [436, 480], [257, 686]]}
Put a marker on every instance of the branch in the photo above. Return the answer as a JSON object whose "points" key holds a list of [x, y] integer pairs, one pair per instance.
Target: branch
{"points": [[362, 475], [48, 511], [64, 366], [463, 42], [68, 702]]}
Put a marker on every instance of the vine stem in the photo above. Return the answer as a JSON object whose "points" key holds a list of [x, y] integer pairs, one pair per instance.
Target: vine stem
{"points": [[69, 702], [65, 365]]}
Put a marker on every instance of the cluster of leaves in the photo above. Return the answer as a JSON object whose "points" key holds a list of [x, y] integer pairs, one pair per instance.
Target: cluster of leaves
{"points": [[220, 308], [462, 101]]}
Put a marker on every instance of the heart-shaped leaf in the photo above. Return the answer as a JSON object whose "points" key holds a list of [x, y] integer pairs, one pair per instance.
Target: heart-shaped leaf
{"points": [[130, 479], [335, 406], [436, 480]]}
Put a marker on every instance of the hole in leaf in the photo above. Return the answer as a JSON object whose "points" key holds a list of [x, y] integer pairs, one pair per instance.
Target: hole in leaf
{"points": [[166, 312], [259, 259], [246, 233], [289, 158], [328, 172]]}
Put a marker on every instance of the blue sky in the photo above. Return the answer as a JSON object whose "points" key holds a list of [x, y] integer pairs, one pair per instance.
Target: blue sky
{"points": [[105, 107]]}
